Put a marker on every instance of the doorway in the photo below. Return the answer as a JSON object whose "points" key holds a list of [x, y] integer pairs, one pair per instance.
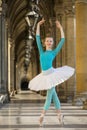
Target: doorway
{"points": [[24, 84]]}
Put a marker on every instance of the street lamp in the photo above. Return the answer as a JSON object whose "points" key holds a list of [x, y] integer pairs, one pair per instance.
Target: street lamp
{"points": [[31, 19]]}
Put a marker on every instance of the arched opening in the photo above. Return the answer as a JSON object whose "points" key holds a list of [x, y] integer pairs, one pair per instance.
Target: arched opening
{"points": [[24, 84]]}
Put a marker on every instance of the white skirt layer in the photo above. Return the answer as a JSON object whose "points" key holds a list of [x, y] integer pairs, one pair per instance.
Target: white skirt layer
{"points": [[50, 78]]}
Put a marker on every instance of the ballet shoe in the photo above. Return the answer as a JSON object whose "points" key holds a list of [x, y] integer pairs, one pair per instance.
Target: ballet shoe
{"points": [[61, 119], [41, 120]]}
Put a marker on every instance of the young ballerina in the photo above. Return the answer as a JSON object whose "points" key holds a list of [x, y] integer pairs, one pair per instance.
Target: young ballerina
{"points": [[50, 77]]}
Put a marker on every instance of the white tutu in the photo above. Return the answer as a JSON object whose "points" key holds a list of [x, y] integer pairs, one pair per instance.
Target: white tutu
{"points": [[50, 78]]}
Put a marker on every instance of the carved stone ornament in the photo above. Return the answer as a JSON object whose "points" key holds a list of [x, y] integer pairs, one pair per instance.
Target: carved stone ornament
{"points": [[81, 1]]}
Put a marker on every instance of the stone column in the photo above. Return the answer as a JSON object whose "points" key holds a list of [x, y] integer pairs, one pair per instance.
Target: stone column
{"points": [[81, 45], [9, 46], [0, 46], [70, 45], [4, 52], [12, 68], [15, 87], [18, 79], [3, 55], [65, 13], [60, 59]]}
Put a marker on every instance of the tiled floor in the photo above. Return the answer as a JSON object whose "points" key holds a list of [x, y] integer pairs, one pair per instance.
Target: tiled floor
{"points": [[24, 116]]}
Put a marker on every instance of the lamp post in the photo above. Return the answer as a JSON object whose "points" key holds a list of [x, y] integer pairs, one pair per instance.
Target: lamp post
{"points": [[31, 19]]}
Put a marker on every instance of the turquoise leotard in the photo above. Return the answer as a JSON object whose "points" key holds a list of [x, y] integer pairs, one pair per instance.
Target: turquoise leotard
{"points": [[47, 57]]}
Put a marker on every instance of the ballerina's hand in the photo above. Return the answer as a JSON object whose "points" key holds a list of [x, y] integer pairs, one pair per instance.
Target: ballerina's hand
{"points": [[41, 22], [58, 24]]}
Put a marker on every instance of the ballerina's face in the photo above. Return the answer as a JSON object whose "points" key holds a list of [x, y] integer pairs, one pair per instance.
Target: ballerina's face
{"points": [[49, 43]]}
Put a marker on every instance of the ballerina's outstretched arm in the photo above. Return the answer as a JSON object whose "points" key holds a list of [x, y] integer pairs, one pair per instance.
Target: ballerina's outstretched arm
{"points": [[59, 46], [39, 44]]}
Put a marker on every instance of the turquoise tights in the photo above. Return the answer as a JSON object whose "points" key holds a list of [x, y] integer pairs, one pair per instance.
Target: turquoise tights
{"points": [[51, 94]]}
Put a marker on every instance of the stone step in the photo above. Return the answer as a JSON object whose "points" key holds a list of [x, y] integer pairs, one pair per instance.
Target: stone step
{"points": [[27, 101]]}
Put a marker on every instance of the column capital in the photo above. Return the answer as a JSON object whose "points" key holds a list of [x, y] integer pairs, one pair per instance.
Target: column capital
{"points": [[0, 2], [69, 11], [4, 8], [69, 8], [0, 7], [81, 1]]}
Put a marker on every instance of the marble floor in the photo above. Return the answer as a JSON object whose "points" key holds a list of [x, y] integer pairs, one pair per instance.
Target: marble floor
{"points": [[24, 116]]}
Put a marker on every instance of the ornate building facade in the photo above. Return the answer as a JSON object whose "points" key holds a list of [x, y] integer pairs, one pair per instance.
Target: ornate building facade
{"points": [[19, 58]]}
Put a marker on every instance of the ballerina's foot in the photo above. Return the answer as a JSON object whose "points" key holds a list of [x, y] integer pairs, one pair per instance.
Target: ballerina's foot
{"points": [[41, 120], [61, 119]]}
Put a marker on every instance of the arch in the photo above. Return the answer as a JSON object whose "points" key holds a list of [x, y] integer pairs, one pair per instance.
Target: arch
{"points": [[24, 84]]}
